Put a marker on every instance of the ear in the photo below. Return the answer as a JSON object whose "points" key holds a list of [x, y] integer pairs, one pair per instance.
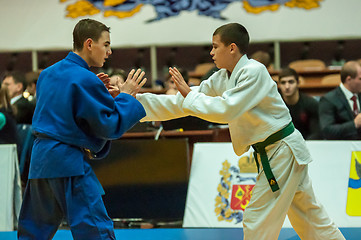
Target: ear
{"points": [[233, 48], [348, 78], [19, 87], [88, 43]]}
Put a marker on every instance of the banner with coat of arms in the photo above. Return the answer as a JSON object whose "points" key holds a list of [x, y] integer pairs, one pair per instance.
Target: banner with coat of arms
{"points": [[221, 183]]}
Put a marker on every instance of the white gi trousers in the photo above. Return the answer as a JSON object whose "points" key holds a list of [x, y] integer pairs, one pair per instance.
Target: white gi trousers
{"points": [[266, 212]]}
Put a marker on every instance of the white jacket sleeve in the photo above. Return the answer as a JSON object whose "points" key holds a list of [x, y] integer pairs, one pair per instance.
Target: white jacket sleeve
{"points": [[165, 107], [161, 107], [251, 86]]}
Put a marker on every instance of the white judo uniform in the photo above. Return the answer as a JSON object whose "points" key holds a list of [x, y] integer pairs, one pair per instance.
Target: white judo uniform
{"points": [[249, 102]]}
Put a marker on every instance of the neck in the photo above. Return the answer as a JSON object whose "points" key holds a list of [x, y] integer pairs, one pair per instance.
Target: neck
{"points": [[293, 99], [233, 64], [83, 56]]}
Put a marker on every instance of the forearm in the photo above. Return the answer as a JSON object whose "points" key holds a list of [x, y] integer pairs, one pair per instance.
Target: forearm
{"points": [[161, 107]]}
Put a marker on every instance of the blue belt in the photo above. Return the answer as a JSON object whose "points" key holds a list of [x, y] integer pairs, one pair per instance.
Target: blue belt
{"points": [[87, 152]]}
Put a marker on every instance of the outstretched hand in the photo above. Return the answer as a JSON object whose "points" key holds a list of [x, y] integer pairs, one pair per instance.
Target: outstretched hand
{"points": [[132, 85], [179, 81], [134, 82]]}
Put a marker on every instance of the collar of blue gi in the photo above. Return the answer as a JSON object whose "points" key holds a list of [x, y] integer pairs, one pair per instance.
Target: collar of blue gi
{"points": [[77, 59]]}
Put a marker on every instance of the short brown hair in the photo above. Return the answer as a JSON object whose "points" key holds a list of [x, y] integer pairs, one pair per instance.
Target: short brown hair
{"points": [[349, 69], [234, 33], [87, 28], [19, 77], [288, 72]]}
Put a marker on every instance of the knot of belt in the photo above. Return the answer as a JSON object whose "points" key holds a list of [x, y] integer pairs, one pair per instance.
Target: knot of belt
{"points": [[260, 148]]}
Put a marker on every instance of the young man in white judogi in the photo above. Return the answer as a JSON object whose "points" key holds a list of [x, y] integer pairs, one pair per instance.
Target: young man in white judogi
{"points": [[243, 95]]}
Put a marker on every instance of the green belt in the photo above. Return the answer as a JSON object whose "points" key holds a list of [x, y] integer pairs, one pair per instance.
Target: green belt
{"points": [[260, 148]]}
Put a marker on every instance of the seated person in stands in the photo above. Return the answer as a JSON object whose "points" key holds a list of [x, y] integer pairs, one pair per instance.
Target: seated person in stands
{"points": [[303, 109], [170, 85], [16, 84], [31, 80], [264, 58], [8, 133], [117, 75], [339, 109]]}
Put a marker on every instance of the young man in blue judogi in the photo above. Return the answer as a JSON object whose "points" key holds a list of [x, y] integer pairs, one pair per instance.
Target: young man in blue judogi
{"points": [[75, 119]]}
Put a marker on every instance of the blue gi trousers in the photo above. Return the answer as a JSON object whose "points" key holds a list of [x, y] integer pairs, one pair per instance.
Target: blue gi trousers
{"points": [[76, 199]]}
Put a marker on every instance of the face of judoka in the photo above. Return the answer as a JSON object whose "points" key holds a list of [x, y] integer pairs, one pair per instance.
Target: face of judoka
{"points": [[288, 86], [224, 56], [100, 50]]}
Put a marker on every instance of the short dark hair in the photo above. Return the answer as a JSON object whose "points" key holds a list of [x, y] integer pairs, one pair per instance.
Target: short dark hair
{"points": [[349, 69], [32, 77], [234, 33], [288, 72], [87, 28], [18, 77], [119, 72]]}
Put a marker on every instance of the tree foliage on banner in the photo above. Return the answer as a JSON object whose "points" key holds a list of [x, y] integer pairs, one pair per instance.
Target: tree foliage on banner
{"points": [[170, 8]]}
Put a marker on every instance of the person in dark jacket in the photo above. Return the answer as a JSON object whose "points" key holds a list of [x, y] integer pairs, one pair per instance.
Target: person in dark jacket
{"points": [[303, 108], [339, 110]]}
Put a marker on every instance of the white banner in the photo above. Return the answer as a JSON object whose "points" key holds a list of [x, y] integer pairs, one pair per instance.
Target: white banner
{"points": [[220, 183], [48, 24], [10, 187]]}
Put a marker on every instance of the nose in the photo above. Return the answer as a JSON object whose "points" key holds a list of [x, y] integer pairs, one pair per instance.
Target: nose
{"points": [[109, 52], [212, 53]]}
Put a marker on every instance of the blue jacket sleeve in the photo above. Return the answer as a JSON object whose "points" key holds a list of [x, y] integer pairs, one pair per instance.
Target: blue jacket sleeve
{"points": [[102, 116]]}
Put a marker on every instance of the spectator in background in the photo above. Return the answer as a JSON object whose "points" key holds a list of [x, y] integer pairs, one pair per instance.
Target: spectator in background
{"points": [[8, 133], [171, 88], [303, 109], [117, 75], [31, 80], [264, 58], [16, 84], [339, 110]]}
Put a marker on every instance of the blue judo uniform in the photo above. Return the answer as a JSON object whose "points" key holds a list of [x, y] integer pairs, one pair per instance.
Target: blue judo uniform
{"points": [[74, 112]]}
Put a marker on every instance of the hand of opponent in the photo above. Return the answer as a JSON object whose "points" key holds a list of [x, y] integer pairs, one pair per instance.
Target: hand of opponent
{"points": [[179, 81]]}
